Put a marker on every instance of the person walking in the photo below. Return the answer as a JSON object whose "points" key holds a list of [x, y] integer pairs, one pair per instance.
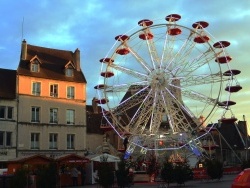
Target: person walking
{"points": [[125, 143], [83, 174]]}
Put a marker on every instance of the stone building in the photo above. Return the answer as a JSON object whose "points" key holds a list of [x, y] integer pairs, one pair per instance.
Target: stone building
{"points": [[8, 115], [43, 106]]}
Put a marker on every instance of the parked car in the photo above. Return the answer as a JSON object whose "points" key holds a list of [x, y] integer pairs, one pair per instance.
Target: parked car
{"points": [[242, 180]]}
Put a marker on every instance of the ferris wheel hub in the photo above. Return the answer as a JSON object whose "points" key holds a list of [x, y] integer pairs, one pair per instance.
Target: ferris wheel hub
{"points": [[158, 79]]}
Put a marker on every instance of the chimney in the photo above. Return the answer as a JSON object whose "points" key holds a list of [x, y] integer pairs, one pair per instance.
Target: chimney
{"points": [[24, 50], [94, 106], [77, 59]]}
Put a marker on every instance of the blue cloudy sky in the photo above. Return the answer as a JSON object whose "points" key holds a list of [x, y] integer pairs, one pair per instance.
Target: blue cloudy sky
{"points": [[91, 26]]}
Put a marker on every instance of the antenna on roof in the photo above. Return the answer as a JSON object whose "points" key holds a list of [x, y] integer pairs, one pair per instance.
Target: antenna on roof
{"points": [[22, 27]]}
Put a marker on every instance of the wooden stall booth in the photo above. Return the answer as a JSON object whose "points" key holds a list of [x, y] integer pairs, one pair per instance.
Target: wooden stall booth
{"points": [[65, 165], [31, 162]]}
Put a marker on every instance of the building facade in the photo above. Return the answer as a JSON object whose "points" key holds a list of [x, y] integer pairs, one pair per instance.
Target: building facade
{"points": [[8, 116], [51, 93]]}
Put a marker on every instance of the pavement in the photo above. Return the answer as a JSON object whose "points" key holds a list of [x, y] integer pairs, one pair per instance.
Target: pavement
{"points": [[225, 182]]}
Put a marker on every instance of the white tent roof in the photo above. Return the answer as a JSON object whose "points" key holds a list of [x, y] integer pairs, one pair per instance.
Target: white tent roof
{"points": [[105, 158]]}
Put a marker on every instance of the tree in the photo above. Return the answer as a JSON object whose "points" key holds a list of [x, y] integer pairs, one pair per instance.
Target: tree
{"points": [[182, 173], [105, 174], [122, 174], [167, 172], [214, 168], [46, 176]]}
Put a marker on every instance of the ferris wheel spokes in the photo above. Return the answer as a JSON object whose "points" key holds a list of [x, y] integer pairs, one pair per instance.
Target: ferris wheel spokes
{"points": [[161, 71]]}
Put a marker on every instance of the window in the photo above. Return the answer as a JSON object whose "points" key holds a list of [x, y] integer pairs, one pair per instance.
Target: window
{"points": [[54, 90], [1, 139], [6, 112], [36, 88], [69, 72], [70, 141], [9, 112], [70, 92], [35, 111], [8, 139], [34, 141], [5, 139], [2, 112], [70, 116], [53, 141], [53, 115], [34, 67]]}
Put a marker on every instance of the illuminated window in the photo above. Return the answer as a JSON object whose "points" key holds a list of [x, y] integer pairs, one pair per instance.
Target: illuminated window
{"points": [[69, 72], [36, 88], [70, 92], [34, 67], [54, 90]]}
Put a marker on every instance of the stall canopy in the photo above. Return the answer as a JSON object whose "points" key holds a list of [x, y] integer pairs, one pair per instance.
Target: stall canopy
{"points": [[105, 158], [72, 159]]}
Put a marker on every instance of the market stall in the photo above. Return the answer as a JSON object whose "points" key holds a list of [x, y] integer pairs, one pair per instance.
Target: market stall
{"points": [[31, 162], [66, 164]]}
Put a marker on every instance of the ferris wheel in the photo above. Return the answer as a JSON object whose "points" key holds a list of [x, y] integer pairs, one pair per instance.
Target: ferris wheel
{"points": [[164, 81]]}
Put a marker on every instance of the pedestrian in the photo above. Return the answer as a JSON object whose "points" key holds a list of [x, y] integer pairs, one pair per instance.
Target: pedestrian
{"points": [[83, 174], [74, 176], [125, 143]]}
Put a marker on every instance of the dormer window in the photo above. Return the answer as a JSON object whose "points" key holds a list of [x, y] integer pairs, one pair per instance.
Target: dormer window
{"points": [[34, 67], [35, 64], [69, 72], [69, 69]]}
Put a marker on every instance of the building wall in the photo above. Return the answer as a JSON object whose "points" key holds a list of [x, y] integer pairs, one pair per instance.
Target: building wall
{"points": [[25, 87], [45, 103], [9, 125], [25, 131], [93, 142], [44, 127]]}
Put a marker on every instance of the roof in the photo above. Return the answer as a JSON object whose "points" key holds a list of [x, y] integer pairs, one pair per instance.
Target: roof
{"points": [[52, 65], [230, 136], [7, 84], [35, 157]]}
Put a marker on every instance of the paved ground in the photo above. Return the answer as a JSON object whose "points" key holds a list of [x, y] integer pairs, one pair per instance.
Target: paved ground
{"points": [[225, 182]]}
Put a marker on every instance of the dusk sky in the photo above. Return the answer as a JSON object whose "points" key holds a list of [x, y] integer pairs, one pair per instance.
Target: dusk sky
{"points": [[91, 26]]}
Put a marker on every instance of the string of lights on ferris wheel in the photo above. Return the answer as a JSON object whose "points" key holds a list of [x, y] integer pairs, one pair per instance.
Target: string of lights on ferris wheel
{"points": [[186, 54]]}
